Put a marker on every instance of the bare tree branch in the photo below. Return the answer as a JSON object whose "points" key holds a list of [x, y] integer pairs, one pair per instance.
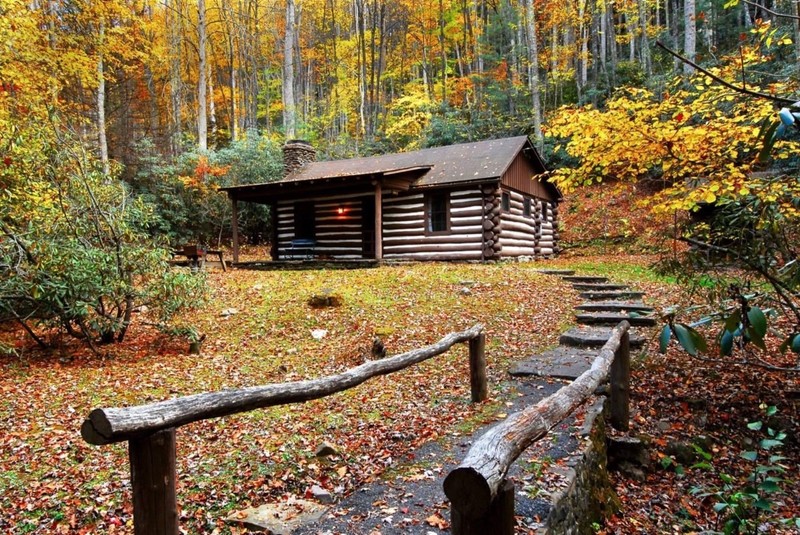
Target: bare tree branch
{"points": [[738, 89], [773, 13]]}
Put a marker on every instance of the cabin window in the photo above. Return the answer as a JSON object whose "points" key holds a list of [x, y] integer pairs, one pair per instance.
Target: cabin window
{"points": [[505, 202], [526, 206], [438, 208], [304, 221]]}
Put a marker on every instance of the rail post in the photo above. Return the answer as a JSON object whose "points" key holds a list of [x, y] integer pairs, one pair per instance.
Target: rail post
{"points": [[620, 384], [477, 368], [498, 520], [155, 506]]}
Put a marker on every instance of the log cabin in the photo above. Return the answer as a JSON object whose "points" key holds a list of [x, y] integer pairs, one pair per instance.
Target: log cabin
{"points": [[471, 201]]}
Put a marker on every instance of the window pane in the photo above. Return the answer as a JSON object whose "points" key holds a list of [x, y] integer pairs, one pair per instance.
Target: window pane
{"points": [[438, 212], [505, 202], [526, 207]]}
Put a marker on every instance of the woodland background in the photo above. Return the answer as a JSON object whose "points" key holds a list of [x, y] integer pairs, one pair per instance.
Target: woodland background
{"points": [[176, 98]]}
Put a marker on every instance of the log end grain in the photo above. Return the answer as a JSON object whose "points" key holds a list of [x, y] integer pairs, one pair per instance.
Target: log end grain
{"points": [[468, 491]]}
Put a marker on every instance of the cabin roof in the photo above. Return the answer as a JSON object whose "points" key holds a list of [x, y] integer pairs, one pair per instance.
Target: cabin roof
{"points": [[479, 161], [469, 162]]}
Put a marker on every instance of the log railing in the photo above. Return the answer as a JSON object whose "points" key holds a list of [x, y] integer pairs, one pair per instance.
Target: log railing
{"points": [[150, 429], [481, 499]]}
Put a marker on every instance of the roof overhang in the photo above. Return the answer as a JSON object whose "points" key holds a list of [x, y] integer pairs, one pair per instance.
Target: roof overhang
{"points": [[393, 180]]}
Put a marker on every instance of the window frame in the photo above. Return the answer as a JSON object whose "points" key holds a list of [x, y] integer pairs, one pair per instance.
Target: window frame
{"points": [[527, 207], [505, 202], [430, 197]]}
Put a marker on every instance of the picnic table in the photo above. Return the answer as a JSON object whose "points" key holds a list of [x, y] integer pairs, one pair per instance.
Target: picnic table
{"points": [[197, 255]]}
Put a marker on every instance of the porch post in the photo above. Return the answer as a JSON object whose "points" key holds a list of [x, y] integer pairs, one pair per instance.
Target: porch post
{"points": [[235, 228], [378, 221], [273, 231]]}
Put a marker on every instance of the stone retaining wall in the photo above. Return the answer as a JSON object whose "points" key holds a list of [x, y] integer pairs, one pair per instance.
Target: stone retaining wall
{"points": [[587, 497]]}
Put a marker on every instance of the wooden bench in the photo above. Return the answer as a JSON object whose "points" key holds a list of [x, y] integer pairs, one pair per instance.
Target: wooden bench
{"points": [[303, 244], [197, 255]]}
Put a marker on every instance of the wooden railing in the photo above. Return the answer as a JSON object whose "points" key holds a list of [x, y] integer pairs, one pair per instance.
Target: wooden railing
{"points": [[481, 499], [150, 429]]}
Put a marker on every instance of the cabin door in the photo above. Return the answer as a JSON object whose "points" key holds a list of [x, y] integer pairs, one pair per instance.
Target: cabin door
{"points": [[368, 227]]}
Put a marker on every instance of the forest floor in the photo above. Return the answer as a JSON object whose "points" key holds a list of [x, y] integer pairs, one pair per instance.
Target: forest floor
{"points": [[260, 329]]}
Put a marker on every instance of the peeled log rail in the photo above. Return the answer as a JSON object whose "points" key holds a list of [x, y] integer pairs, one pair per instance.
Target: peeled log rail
{"points": [[116, 424], [473, 486]]}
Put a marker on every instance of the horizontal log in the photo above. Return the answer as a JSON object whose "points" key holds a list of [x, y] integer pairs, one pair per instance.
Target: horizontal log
{"points": [[108, 425], [466, 237], [512, 251], [432, 247], [520, 219], [470, 211], [399, 212], [437, 256], [389, 224], [464, 202], [473, 485], [523, 244], [473, 192], [414, 197]]}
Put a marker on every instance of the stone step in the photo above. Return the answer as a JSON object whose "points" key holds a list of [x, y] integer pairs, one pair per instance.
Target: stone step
{"points": [[599, 286], [602, 306], [616, 294], [586, 336], [556, 271], [562, 362], [613, 318], [585, 278]]}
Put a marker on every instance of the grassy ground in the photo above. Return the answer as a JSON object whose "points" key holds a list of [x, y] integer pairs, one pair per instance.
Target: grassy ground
{"points": [[52, 482]]}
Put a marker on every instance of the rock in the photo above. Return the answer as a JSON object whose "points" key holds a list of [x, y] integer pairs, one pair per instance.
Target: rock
{"points": [[586, 336], [319, 334], [280, 518], [325, 299], [229, 312], [378, 350], [321, 495], [466, 283], [465, 291], [683, 452], [664, 425], [141, 309], [325, 450], [630, 450], [631, 470]]}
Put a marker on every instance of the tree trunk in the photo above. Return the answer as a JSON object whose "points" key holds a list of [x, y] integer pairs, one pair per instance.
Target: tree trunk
{"points": [[175, 82], [202, 77], [101, 102], [533, 70], [289, 108], [690, 35]]}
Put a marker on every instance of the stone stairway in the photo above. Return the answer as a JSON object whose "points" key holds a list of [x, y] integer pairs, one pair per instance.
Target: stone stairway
{"points": [[607, 304]]}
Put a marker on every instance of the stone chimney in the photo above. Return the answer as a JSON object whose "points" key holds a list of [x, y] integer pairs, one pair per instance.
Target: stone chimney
{"points": [[296, 154]]}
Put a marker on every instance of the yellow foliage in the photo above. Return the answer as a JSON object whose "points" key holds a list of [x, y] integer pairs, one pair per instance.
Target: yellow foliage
{"points": [[701, 143]]}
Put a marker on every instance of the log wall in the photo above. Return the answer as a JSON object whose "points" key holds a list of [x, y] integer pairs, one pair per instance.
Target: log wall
{"points": [[478, 229], [404, 234], [337, 235], [533, 235]]}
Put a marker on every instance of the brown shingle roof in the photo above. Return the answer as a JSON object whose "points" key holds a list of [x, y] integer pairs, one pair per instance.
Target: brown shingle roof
{"points": [[465, 162]]}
